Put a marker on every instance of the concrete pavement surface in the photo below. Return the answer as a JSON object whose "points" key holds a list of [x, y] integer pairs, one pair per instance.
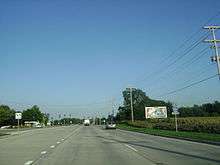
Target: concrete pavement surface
{"points": [[81, 145]]}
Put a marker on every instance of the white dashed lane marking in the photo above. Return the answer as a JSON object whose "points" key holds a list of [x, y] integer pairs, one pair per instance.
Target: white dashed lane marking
{"points": [[52, 146], [43, 152], [131, 147], [28, 162]]}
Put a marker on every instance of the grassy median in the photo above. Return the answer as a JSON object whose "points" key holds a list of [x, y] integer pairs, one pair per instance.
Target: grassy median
{"points": [[196, 136]]}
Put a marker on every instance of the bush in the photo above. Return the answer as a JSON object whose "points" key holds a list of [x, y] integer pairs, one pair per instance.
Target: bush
{"points": [[194, 124]]}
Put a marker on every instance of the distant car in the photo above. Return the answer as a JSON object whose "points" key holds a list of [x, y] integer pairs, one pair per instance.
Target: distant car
{"points": [[110, 126], [38, 126], [5, 127], [86, 122]]}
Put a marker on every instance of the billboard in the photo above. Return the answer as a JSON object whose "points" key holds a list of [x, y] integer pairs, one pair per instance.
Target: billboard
{"points": [[156, 112]]}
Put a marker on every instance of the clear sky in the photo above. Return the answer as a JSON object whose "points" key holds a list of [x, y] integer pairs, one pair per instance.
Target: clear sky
{"points": [[74, 56]]}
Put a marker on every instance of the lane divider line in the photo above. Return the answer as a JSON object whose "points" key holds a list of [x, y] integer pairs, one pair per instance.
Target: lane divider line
{"points": [[131, 147], [53, 146], [28, 162], [43, 152]]}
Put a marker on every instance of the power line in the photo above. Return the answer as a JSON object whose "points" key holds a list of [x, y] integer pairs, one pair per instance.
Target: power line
{"points": [[191, 36], [186, 52], [183, 67], [188, 86], [191, 79], [183, 44]]}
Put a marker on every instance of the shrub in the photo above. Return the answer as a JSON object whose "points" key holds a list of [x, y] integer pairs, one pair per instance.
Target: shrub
{"points": [[195, 124]]}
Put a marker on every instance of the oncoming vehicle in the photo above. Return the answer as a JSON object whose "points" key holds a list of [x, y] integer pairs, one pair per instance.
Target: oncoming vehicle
{"points": [[86, 122], [110, 126]]}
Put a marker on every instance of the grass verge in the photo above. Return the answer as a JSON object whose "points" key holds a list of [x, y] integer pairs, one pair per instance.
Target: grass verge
{"points": [[193, 136]]}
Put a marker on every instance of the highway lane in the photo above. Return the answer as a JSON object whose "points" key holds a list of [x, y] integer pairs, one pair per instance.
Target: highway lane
{"points": [[162, 150], [28, 145], [94, 145], [88, 147]]}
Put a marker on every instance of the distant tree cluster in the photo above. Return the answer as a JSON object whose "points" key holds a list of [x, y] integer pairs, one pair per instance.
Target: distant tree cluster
{"points": [[140, 101], [209, 109], [67, 121], [7, 115]]}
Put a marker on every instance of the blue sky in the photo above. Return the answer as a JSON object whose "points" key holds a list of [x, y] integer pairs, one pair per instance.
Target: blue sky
{"points": [[75, 56]]}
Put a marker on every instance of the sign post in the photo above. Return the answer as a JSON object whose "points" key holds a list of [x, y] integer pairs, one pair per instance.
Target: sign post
{"points": [[18, 116], [175, 112]]}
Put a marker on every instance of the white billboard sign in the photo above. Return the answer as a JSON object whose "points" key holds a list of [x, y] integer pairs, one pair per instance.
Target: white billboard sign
{"points": [[156, 112], [18, 115]]}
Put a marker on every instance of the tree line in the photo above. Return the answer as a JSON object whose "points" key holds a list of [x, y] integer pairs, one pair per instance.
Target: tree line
{"points": [[67, 121], [141, 100], [204, 110], [7, 115]]}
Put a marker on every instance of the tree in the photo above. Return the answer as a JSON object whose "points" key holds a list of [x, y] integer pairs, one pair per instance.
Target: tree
{"points": [[208, 109], [140, 101], [7, 115], [33, 114], [46, 117]]}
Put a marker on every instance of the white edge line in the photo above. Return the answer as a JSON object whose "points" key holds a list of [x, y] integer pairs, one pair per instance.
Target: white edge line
{"points": [[131, 147], [28, 162]]}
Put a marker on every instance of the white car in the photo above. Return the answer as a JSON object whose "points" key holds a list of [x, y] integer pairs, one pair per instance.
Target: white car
{"points": [[110, 126], [38, 126], [5, 127]]}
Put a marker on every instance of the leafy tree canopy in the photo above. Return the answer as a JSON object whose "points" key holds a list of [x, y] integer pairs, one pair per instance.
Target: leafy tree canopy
{"points": [[33, 114], [140, 101], [7, 115]]}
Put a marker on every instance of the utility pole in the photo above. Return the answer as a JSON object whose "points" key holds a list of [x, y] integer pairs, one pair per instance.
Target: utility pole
{"points": [[132, 110], [113, 111], [215, 58], [64, 119]]}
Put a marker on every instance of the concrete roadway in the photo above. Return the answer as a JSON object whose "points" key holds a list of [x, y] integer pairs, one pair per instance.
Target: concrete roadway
{"points": [[81, 145]]}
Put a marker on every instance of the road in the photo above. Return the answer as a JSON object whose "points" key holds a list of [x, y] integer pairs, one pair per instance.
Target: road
{"points": [[81, 145]]}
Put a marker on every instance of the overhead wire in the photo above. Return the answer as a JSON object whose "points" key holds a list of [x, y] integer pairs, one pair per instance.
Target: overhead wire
{"points": [[183, 67], [186, 52], [188, 86], [182, 45]]}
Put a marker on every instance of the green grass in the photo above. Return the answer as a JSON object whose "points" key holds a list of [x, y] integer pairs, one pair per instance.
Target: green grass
{"points": [[198, 136]]}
